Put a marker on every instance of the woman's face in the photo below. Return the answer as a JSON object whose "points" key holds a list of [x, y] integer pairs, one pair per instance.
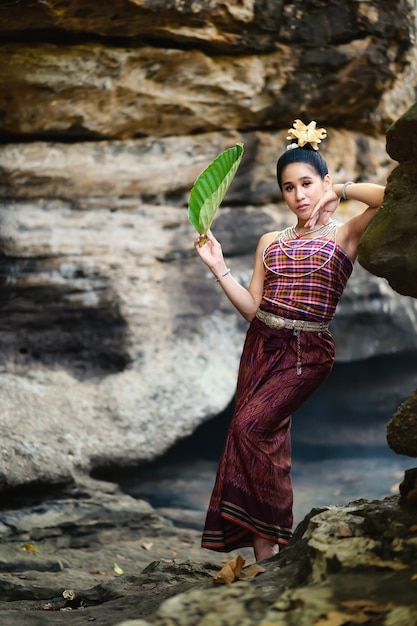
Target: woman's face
{"points": [[302, 188]]}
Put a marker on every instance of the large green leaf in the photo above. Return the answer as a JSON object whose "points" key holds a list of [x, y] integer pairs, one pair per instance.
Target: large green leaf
{"points": [[211, 186]]}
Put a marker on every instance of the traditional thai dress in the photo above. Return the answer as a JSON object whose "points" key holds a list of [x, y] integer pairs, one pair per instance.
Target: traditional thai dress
{"points": [[304, 280]]}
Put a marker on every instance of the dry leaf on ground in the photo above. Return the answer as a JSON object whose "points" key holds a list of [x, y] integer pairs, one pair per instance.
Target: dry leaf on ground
{"points": [[333, 618], [374, 559], [117, 570], [233, 571], [230, 572], [368, 606], [359, 612], [29, 547], [251, 571]]}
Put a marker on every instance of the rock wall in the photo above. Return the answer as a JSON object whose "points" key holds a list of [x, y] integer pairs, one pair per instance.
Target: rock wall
{"points": [[115, 342]]}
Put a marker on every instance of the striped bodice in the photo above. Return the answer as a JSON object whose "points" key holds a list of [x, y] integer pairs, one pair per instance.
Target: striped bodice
{"points": [[306, 281]]}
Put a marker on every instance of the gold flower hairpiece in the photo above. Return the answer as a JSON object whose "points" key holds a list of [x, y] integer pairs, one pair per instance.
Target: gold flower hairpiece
{"points": [[307, 134]]}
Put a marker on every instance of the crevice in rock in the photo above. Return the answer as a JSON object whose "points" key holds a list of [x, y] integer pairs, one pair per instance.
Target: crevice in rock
{"points": [[33, 493], [73, 326]]}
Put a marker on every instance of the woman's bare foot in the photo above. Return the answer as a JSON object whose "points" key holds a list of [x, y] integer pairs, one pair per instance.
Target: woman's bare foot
{"points": [[264, 548]]}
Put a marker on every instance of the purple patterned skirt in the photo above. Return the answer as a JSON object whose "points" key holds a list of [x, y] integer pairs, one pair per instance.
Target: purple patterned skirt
{"points": [[253, 489]]}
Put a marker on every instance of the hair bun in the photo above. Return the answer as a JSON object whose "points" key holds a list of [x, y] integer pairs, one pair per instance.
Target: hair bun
{"points": [[305, 135]]}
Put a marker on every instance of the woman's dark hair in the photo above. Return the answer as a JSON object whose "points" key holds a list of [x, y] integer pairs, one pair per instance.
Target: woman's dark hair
{"points": [[306, 154]]}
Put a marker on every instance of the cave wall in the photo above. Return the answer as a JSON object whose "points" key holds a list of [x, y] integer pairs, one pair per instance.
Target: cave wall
{"points": [[114, 340]]}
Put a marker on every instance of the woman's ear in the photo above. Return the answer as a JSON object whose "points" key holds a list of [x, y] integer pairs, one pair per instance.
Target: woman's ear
{"points": [[327, 181]]}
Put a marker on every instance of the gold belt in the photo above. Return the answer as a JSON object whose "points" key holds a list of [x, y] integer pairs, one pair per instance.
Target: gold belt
{"points": [[275, 321]]}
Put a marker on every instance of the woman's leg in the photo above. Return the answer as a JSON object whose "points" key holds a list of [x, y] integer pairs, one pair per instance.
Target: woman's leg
{"points": [[263, 548]]}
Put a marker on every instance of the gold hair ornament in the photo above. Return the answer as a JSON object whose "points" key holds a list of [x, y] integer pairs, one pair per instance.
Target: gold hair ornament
{"points": [[306, 134]]}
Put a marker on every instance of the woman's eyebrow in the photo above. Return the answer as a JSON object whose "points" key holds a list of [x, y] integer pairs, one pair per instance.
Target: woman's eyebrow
{"points": [[288, 182]]}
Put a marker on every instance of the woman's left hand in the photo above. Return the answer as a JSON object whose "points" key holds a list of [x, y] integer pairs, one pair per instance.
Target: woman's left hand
{"points": [[324, 208]]}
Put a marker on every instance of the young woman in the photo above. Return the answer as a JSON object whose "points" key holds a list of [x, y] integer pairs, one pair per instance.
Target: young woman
{"points": [[298, 278]]}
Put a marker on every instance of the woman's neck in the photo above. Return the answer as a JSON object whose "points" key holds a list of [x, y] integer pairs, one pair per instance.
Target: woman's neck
{"points": [[300, 230]]}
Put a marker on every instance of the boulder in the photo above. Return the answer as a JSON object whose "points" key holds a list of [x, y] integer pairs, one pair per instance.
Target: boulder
{"points": [[402, 136], [388, 249], [402, 427]]}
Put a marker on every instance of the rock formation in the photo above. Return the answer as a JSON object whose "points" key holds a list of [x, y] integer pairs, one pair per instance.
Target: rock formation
{"points": [[91, 561], [115, 342], [388, 249], [346, 566], [388, 246]]}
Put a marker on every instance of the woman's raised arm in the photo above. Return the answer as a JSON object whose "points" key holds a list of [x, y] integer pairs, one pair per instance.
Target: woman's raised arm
{"points": [[246, 301], [349, 234], [352, 230]]}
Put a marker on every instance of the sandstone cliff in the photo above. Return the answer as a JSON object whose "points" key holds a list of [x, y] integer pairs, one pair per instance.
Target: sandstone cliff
{"points": [[114, 340]]}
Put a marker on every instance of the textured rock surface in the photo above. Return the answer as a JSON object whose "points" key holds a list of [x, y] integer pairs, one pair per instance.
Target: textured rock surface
{"points": [[115, 342], [402, 136], [388, 246], [388, 249], [123, 564], [99, 546], [346, 566], [209, 66], [402, 428]]}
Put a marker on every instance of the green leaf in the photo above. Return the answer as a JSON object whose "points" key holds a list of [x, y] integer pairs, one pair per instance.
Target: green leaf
{"points": [[211, 186]]}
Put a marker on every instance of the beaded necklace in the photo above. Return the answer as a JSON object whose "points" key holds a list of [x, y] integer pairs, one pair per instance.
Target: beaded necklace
{"points": [[289, 240]]}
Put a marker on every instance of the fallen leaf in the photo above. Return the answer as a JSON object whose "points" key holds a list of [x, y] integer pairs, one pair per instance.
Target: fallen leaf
{"points": [[230, 572], [117, 570], [333, 618], [251, 571], [413, 528], [373, 559], [147, 545], [69, 594], [366, 606], [29, 547], [358, 612]]}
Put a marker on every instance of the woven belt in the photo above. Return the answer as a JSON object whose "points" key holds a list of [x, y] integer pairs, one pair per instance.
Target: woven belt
{"points": [[275, 321]]}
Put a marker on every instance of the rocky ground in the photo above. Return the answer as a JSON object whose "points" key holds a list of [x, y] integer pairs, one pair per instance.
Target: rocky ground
{"points": [[118, 557], [97, 555], [110, 325]]}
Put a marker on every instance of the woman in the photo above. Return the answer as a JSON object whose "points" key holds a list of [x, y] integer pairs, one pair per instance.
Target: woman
{"points": [[298, 278]]}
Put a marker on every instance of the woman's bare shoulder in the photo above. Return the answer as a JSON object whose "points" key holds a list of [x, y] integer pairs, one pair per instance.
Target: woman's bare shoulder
{"points": [[267, 238]]}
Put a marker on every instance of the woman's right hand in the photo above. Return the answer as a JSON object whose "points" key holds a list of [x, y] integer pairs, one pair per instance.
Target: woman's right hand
{"points": [[210, 252], [245, 300]]}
